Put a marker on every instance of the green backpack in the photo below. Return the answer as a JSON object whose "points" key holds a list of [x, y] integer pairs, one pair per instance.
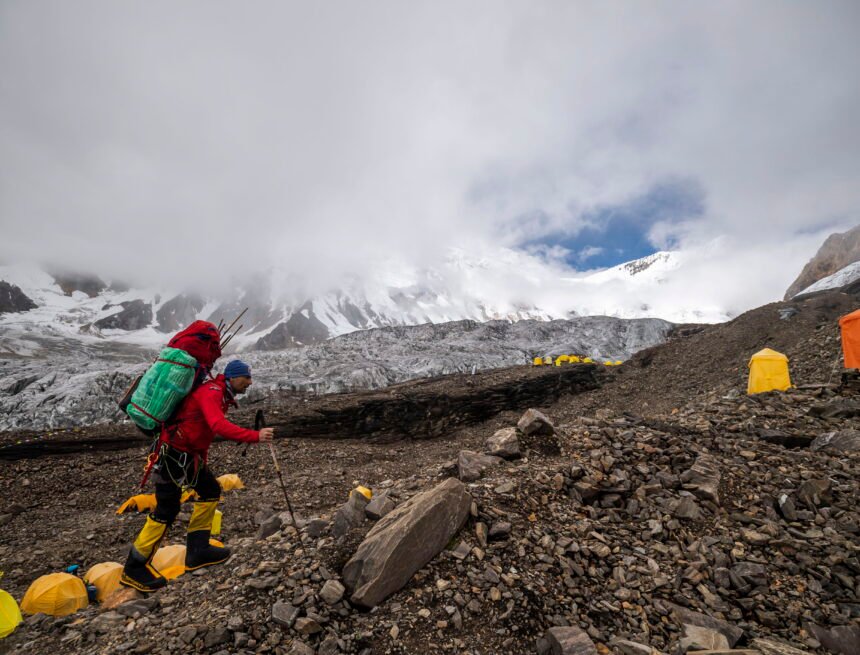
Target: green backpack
{"points": [[154, 396]]}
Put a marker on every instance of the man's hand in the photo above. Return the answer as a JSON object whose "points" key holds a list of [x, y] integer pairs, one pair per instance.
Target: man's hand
{"points": [[266, 435]]}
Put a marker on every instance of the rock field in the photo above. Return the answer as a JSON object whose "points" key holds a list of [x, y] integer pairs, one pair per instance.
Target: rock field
{"points": [[665, 512]]}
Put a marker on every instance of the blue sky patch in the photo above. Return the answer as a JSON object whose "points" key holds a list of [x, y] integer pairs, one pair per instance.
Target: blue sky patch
{"points": [[619, 233]]}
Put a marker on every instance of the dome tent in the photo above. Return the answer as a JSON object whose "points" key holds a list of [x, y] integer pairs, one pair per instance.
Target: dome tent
{"points": [[57, 594], [170, 561], [10, 614], [105, 578], [768, 372], [849, 325]]}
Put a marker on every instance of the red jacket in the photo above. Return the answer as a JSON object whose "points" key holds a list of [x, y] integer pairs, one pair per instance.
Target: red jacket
{"points": [[202, 415]]}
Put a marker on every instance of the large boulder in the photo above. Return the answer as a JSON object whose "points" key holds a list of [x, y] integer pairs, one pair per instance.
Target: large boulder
{"points": [[405, 540], [504, 443], [535, 422], [471, 465]]}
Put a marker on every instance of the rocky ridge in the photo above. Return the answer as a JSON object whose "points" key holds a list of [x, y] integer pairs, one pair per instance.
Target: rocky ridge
{"points": [[837, 251]]}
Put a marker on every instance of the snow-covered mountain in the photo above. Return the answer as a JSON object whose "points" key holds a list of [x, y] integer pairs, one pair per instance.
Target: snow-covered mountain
{"points": [[282, 313]]}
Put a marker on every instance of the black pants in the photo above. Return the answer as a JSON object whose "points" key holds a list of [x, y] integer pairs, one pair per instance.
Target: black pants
{"points": [[173, 472]]}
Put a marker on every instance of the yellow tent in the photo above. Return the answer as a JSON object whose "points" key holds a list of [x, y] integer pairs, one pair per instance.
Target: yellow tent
{"points": [[139, 503], [57, 594], [10, 614], [587, 360], [537, 361], [230, 481], [170, 561], [364, 491], [105, 577], [574, 359], [768, 372], [562, 359]]}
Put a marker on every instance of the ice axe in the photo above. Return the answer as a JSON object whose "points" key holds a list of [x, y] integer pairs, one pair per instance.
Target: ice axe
{"points": [[259, 423]]}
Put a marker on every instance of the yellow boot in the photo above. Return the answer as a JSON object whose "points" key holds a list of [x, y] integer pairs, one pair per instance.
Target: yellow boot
{"points": [[139, 572]]}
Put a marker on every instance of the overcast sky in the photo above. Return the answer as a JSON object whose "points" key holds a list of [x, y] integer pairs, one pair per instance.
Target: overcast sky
{"points": [[192, 136]]}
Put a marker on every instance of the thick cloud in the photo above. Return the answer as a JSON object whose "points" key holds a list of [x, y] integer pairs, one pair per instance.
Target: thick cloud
{"points": [[173, 137]]}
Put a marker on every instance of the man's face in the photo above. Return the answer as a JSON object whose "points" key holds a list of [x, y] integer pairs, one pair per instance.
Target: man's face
{"points": [[240, 384]]}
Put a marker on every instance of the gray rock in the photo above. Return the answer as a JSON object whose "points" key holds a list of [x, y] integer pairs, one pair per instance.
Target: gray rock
{"points": [[499, 530], [841, 639], [840, 441], [307, 626], [535, 422], [300, 648], [216, 636], [187, 634], [349, 515], [138, 607], [814, 493], [698, 637], [284, 614], [404, 541], [504, 443], [703, 478], [688, 617], [106, 621], [771, 647], [569, 641], [785, 506], [687, 508], [626, 647], [471, 465], [316, 527], [269, 527], [379, 506], [332, 592]]}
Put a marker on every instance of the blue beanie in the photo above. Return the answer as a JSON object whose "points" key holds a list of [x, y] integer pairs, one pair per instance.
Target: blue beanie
{"points": [[237, 369]]}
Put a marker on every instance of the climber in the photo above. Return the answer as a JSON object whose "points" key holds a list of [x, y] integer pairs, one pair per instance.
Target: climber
{"points": [[179, 459]]}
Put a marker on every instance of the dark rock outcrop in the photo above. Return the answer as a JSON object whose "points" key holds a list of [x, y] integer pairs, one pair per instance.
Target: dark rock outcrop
{"points": [[838, 251], [92, 285], [12, 299], [135, 315], [302, 329], [179, 312]]}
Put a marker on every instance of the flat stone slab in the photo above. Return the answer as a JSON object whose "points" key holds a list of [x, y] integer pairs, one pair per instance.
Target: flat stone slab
{"points": [[404, 540]]}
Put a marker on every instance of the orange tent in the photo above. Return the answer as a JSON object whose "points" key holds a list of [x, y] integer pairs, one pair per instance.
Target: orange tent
{"points": [[850, 326]]}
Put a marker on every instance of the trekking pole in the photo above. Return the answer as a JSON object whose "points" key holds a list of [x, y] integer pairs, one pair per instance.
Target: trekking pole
{"points": [[260, 422], [230, 338], [236, 321]]}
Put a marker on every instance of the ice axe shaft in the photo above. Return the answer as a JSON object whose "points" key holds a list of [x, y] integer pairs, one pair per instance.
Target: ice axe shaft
{"points": [[259, 423]]}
